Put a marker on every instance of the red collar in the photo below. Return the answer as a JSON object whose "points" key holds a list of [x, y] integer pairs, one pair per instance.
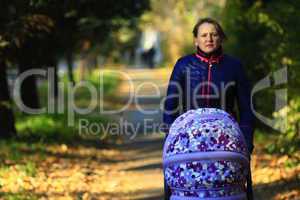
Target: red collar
{"points": [[212, 59]]}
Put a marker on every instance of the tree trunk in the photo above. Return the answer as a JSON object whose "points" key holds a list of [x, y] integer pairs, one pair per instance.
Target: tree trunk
{"points": [[69, 58], [52, 86], [28, 59], [7, 125], [53, 65], [29, 93]]}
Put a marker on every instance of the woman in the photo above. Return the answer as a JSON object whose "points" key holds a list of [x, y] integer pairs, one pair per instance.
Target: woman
{"points": [[210, 79]]}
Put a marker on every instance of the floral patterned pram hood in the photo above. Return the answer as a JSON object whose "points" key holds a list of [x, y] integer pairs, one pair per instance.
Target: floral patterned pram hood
{"points": [[205, 156]]}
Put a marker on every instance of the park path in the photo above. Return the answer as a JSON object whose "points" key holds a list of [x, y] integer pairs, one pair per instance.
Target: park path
{"points": [[142, 92], [139, 173]]}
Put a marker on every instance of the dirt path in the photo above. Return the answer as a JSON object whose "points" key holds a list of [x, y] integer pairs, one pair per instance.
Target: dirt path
{"points": [[129, 170], [138, 173], [126, 171]]}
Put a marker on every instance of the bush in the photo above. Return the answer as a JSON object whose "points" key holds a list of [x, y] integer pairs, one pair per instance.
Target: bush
{"points": [[289, 141]]}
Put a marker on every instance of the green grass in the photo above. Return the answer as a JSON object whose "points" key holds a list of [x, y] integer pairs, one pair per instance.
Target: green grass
{"points": [[16, 150], [47, 127], [19, 196], [52, 128], [106, 88]]}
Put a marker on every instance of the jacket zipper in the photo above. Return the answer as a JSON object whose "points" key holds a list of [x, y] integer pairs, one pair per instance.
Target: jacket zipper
{"points": [[208, 83]]}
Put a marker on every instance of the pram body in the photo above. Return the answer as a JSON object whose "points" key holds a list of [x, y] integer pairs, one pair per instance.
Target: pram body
{"points": [[205, 157]]}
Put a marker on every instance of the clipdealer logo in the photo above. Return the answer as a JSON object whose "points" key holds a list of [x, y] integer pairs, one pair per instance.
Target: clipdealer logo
{"points": [[273, 80]]}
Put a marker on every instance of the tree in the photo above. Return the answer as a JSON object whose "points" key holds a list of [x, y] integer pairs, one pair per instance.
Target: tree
{"points": [[265, 35], [79, 21], [37, 33], [7, 126]]}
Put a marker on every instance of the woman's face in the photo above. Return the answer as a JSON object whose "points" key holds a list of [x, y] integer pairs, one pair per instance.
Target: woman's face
{"points": [[208, 38]]}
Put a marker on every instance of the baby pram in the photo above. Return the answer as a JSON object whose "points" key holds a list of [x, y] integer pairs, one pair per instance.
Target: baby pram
{"points": [[205, 157]]}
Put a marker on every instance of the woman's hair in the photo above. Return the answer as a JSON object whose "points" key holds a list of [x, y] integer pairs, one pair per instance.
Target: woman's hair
{"points": [[210, 21]]}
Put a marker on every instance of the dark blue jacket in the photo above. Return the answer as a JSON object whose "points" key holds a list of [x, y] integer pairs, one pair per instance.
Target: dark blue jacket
{"points": [[194, 84]]}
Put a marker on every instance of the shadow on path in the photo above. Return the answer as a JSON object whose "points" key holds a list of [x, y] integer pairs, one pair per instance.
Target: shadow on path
{"points": [[278, 190], [145, 167]]}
